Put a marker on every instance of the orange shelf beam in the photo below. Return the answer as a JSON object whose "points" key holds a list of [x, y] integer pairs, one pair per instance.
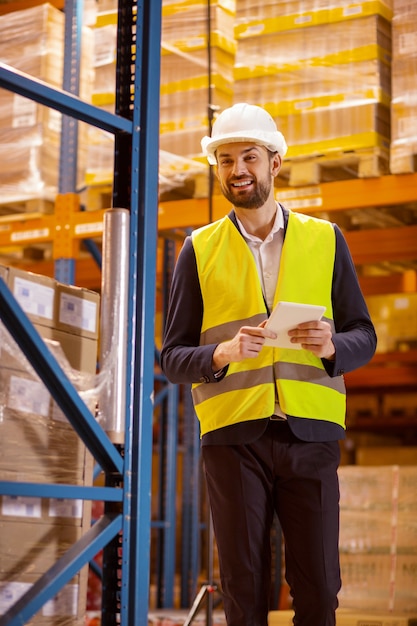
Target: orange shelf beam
{"points": [[329, 197], [64, 229]]}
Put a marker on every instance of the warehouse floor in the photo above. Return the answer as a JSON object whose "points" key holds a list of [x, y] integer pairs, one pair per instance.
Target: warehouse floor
{"points": [[173, 617]]}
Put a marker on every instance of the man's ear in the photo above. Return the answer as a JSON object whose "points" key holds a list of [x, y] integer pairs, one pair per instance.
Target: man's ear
{"points": [[276, 163]]}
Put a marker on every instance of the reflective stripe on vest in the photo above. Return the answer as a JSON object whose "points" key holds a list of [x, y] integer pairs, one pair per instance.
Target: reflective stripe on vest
{"points": [[232, 297], [306, 275]]}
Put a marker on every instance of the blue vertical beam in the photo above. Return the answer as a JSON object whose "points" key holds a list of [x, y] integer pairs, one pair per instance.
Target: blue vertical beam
{"points": [[170, 485], [64, 269], [71, 84], [191, 501], [141, 332]]}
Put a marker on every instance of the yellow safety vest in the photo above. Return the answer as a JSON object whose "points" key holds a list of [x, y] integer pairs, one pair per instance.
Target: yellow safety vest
{"points": [[232, 297]]}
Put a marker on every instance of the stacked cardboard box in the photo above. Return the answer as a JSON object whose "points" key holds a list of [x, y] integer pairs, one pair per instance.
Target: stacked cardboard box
{"points": [[32, 538], [403, 155], [100, 149], [174, 170], [32, 41], [322, 70], [395, 319], [378, 538], [185, 78], [38, 444]]}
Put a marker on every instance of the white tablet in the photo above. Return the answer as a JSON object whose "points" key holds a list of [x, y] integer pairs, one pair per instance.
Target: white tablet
{"points": [[285, 316]]}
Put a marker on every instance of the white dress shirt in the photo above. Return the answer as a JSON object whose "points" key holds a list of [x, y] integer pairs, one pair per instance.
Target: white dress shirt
{"points": [[267, 255]]}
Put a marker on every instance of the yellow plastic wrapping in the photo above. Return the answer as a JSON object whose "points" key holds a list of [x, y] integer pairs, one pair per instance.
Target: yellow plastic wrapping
{"points": [[175, 171], [187, 20], [256, 18], [185, 93], [104, 55], [327, 82]]}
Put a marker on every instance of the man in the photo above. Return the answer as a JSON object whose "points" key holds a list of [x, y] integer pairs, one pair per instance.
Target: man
{"points": [[270, 417]]}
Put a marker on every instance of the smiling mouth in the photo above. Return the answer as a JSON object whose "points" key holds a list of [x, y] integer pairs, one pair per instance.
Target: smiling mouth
{"points": [[242, 183]]}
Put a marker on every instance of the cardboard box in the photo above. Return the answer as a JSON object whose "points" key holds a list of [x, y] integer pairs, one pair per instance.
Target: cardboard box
{"points": [[80, 352], [77, 310], [34, 293], [378, 531], [46, 302], [33, 510], [30, 547], [71, 351], [67, 607], [385, 582], [27, 550], [378, 538], [23, 393], [378, 488], [387, 455], [33, 447]]}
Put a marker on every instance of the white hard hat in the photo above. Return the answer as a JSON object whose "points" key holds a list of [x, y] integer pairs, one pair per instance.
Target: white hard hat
{"points": [[243, 123]]}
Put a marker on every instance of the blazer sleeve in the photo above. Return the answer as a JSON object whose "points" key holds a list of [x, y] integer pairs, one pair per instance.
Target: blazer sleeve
{"points": [[183, 360], [355, 338]]}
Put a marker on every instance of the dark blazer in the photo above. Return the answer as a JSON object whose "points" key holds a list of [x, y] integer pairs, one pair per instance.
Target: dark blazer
{"points": [[183, 360]]}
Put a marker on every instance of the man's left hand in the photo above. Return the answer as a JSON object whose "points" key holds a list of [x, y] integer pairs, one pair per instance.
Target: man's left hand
{"points": [[314, 336]]}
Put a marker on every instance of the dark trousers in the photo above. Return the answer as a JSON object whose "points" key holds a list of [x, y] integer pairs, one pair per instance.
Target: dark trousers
{"points": [[298, 480]]}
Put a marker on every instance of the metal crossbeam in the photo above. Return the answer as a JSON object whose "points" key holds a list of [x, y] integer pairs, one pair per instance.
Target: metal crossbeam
{"points": [[66, 103]]}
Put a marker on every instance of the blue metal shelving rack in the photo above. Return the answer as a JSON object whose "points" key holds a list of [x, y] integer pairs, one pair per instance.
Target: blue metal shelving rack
{"points": [[127, 468]]}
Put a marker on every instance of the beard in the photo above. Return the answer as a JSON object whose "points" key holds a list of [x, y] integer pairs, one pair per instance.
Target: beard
{"points": [[253, 199]]}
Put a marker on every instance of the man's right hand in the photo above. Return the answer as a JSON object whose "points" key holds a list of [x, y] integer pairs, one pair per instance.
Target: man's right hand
{"points": [[246, 344]]}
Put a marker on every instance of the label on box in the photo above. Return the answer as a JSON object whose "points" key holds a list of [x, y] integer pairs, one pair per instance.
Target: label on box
{"points": [[64, 507], [21, 506], [24, 112], [54, 120], [78, 312], [34, 298], [355, 10], [28, 396], [10, 593], [407, 43], [105, 45], [64, 603]]}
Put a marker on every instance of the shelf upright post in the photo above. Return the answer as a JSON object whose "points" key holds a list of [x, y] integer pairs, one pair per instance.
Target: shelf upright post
{"points": [[64, 268], [135, 187]]}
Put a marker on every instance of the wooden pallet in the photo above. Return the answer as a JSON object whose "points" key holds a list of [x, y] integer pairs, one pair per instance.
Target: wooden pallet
{"points": [[402, 163], [26, 205], [97, 197], [334, 166], [302, 171]]}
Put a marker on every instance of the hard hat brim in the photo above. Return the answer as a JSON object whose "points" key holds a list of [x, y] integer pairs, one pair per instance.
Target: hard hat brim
{"points": [[273, 141]]}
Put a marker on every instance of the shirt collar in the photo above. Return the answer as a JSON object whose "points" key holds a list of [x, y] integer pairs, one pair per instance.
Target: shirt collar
{"points": [[277, 225]]}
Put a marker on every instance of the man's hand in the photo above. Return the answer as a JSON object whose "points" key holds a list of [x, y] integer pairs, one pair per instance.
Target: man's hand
{"points": [[316, 337], [246, 344]]}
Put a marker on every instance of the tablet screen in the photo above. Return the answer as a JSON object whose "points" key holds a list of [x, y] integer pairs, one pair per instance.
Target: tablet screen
{"points": [[285, 316]]}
